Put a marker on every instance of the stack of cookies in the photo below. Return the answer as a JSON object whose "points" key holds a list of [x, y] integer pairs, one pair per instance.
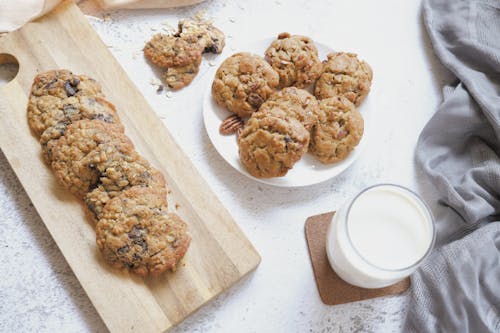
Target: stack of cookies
{"points": [[179, 54], [84, 142], [285, 120]]}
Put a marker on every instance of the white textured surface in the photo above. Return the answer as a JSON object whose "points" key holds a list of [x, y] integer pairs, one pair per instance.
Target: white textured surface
{"points": [[38, 291]]}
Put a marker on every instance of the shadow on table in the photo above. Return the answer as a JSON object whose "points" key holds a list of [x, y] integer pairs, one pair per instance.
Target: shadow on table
{"points": [[255, 195]]}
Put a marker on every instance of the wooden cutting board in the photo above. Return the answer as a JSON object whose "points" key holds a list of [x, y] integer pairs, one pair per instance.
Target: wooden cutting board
{"points": [[219, 254]]}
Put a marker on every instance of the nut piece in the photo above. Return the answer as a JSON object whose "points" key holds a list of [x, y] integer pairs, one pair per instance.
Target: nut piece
{"points": [[231, 125]]}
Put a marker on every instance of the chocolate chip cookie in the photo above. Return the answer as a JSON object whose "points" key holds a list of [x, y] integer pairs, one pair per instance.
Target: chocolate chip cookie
{"points": [[338, 131], [137, 232], [81, 107], [295, 59], [243, 82], [119, 173], [269, 146], [181, 76], [167, 51], [84, 145], [209, 37], [62, 83], [292, 102], [344, 75], [60, 96]]}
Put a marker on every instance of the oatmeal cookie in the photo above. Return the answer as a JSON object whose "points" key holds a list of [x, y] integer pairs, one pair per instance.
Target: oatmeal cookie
{"points": [[120, 173], [292, 102], [243, 82], [49, 139], [85, 145], [170, 51], [181, 76], [209, 37], [58, 96], [338, 131], [82, 107], [63, 83], [137, 232], [270, 146], [295, 59], [344, 75]]}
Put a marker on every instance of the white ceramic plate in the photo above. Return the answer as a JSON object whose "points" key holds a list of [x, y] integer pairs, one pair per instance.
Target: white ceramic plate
{"points": [[307, 171]]}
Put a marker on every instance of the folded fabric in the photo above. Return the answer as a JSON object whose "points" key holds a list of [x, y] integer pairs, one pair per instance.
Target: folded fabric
{"points": [[137, 4], [14, 13], [458, 287]]}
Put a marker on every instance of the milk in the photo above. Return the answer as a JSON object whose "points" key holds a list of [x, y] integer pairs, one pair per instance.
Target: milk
{"points": [[380, 236]]}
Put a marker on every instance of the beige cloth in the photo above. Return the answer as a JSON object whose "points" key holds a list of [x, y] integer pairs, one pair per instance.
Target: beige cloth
{"points": [[136, 4], [15, 13]]}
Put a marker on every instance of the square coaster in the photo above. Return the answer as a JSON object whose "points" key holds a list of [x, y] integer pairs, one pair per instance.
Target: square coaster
{"points": [[332, 289]]}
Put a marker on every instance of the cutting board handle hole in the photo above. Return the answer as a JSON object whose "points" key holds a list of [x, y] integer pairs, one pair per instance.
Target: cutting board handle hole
{"points": [[9, 67]]}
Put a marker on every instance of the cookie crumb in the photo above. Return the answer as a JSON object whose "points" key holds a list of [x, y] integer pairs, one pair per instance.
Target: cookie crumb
{"points": [[106, 17], [200, 15], [159, 89], [168, 27], [177, 206], [169, 94], [154, 81]]}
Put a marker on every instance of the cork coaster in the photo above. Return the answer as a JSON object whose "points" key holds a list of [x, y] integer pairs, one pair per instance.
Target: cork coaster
{"points": [[332, 289]]}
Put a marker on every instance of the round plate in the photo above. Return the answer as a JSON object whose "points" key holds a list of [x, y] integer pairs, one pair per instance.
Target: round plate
{"points": [[307, 171]]}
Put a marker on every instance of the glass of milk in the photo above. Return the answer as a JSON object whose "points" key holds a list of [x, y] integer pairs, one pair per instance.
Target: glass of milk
{"points": [[380, 236]]}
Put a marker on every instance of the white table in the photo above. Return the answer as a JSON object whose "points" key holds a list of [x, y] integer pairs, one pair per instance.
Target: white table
{"points": [[38, 291]]}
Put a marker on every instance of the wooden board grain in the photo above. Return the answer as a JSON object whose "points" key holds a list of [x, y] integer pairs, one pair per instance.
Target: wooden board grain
{"points": [[219, 254]]}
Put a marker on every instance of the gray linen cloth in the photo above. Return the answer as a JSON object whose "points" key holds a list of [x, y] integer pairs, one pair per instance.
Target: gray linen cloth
{"points": [[457, 289]]}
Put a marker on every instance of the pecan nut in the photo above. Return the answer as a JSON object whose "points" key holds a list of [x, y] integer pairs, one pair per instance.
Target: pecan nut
{"points": [[231, 125]]}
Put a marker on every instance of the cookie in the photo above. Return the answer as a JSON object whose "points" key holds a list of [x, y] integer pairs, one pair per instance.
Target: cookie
{"points": [[344, 75], [181, 76], [49, 139], [84, 145], [63, 83], [81, 107], [292, 102], [270, 146], [338, 131], [137, 232], [118, 174], [56, 95], [243, 82], [295, 59], [167, 51], [209, 37]]}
